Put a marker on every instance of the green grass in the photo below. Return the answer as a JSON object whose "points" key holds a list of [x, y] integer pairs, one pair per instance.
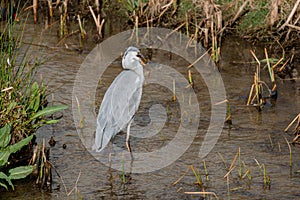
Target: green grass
{"points": [[184, 8], [255, 18], [23, 105]]}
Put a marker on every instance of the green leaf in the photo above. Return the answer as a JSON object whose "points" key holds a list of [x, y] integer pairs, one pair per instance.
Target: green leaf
{"points": [[34, 89], [11, 106], [37, 103], [49, 110], [16, 147], [4, 176], [20, 172], [53, 121], [45, 122], [34, 101], [3, 185], [41, 169], [4, 155], [5, 135]]}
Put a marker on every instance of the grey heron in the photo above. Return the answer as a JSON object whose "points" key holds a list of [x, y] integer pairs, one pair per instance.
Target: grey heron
{"points": [[121, 100]]}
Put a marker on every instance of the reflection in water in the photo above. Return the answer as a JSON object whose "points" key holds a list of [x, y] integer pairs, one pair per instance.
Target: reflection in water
{"points": [[251, 131]]}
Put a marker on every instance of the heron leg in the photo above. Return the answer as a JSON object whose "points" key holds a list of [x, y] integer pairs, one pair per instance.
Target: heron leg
{"points": [[127, 135], [110, 147]]}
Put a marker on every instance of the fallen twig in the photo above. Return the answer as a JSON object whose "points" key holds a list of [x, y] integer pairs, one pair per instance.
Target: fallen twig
{"points": [[291, 15]]}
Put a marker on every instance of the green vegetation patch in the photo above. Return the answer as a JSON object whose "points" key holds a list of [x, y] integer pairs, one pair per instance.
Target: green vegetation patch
{"points": [[253, 20], [254, 17], [23, 105]]}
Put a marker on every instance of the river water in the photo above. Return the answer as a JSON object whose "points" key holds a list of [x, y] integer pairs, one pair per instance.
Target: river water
{"points": [[259, 135]]}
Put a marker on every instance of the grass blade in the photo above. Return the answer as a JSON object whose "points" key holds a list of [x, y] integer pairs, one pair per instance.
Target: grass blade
{"points": [[49, 110]]}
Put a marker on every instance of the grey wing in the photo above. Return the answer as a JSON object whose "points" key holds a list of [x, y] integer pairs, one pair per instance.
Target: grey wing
{"points": [[119, 105]]}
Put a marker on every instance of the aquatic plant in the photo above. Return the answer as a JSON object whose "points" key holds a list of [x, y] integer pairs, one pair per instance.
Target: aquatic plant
{"points": [[205, 22], [237, 170], [198, 182], [23, 105], [266, 179], [296, 129], [256, 95], [5, 151]]}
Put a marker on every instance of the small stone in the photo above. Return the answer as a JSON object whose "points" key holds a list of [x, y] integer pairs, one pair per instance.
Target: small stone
{"points": [[52, 142]]}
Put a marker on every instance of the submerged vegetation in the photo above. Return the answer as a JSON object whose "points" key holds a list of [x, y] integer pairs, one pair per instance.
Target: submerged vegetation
{"points": [[23, 98], [238, 175]]}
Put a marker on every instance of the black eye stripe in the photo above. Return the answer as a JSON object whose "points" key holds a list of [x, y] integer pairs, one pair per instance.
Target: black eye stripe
{"points": [[132, 50], [138, 54], [125, 54]]}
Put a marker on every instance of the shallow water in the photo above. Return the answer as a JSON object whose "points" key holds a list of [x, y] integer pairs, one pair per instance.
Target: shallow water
{"points": [[259, 135]]}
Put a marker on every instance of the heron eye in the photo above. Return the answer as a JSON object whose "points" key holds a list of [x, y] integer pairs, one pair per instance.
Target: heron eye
{"points": [[142, 59], [139, 56]]}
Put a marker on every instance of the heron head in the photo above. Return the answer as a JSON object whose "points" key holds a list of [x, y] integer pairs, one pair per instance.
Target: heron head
{"points": [[132, 58]]}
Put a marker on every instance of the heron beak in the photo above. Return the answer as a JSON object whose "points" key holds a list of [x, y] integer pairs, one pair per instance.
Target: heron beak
{"points": [[142, 58]]}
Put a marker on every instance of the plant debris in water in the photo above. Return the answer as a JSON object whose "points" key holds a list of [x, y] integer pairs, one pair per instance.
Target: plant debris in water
{"points": [[296, 130], [23, 107], [204, 21], [23, 100]]}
